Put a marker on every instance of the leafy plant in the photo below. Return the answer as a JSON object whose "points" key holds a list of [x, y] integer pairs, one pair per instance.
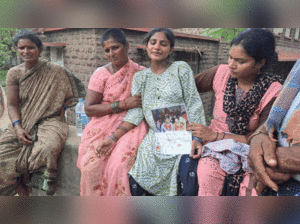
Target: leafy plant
{"points": [[3, 77], [227, 33], [6, 44]]}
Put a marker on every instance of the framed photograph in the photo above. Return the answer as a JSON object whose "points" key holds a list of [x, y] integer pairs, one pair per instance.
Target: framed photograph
{"points": [[171, 118], [171, 135]]}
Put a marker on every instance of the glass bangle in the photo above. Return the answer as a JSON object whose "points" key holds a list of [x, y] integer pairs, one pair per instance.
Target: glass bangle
{"points": [[16, 122], [198, 139]]}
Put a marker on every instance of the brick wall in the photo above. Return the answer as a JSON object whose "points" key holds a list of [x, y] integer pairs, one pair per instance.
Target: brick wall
{"points": [[195, 31], [83, 54]]}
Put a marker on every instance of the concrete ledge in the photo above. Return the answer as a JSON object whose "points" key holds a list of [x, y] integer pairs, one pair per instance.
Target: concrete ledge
{"points": [[68, 176]]}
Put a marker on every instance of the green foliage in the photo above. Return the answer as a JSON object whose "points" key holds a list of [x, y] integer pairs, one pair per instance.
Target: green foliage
{"points": [[3, 75], [3, 78], [6, 44], [227, 33]]}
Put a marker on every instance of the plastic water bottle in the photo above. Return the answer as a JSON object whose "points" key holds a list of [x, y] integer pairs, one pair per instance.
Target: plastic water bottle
{"points": [[78, 112], [84, 118]]}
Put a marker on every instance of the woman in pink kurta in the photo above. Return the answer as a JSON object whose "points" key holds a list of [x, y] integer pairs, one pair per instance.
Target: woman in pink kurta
{"points": [[107, 102], [244, 95]]}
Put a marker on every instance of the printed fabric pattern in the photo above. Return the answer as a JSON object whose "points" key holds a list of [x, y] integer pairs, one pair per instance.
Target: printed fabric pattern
{"points": [[155, 172], [288, 93]]}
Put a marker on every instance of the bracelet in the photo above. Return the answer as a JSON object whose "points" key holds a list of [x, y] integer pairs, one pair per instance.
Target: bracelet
{"points": [[124, 129], [216, 137], [223, 135], [113, 134], [113, 138], [114, 107], [198, 139], [16, 122], [64, 106]]}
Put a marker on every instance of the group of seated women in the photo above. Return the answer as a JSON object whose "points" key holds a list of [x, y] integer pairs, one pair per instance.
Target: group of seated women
{"points": [[119, 155]]}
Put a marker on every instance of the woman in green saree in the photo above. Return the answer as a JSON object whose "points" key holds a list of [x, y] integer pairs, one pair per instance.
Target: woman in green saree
{"points": [[38, 92]]}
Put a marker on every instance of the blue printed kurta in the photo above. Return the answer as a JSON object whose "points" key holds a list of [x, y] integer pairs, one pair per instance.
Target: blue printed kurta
{"points": [[156, 172]]}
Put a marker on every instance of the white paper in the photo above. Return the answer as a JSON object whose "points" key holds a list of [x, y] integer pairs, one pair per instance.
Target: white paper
{"points": [[173, 142]]}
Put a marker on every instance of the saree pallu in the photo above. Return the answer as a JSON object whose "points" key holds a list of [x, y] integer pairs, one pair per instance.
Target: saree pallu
{"points": [[108, 175], [42, 92]]}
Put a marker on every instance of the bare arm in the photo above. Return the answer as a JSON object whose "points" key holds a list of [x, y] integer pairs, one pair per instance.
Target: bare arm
{"points": [[288, 159], [13, 103], [204, 80], [208, 135], [95, 108], [14, 114], [1, 103], [106, 145]]}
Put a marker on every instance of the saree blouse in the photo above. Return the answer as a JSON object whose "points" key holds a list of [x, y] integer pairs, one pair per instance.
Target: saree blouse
{"points": [[215, 79]]}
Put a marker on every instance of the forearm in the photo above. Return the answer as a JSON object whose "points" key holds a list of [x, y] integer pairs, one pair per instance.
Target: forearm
{"points": [[235, 137], [13, 112], [288, 159], [1, 103], [126, 127], [100, 110], [14, 115], [1, 109]]}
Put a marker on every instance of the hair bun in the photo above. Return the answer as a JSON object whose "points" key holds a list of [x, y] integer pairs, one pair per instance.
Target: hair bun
{"points": [[274, 58]]}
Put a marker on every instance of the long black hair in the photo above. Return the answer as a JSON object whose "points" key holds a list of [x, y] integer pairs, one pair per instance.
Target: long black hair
{"points": [[258, 43]]}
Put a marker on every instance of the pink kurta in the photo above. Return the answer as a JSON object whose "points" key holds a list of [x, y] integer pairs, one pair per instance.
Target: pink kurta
{"points": [[108, 176], [210, 175]]}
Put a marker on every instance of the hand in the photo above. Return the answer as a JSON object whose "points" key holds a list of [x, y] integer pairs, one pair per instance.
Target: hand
{"points": [[104, 147], [23, 136], [262, 155], [271, 134], [196, 145], [133, 101], [202, 132], [277, 177]]}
